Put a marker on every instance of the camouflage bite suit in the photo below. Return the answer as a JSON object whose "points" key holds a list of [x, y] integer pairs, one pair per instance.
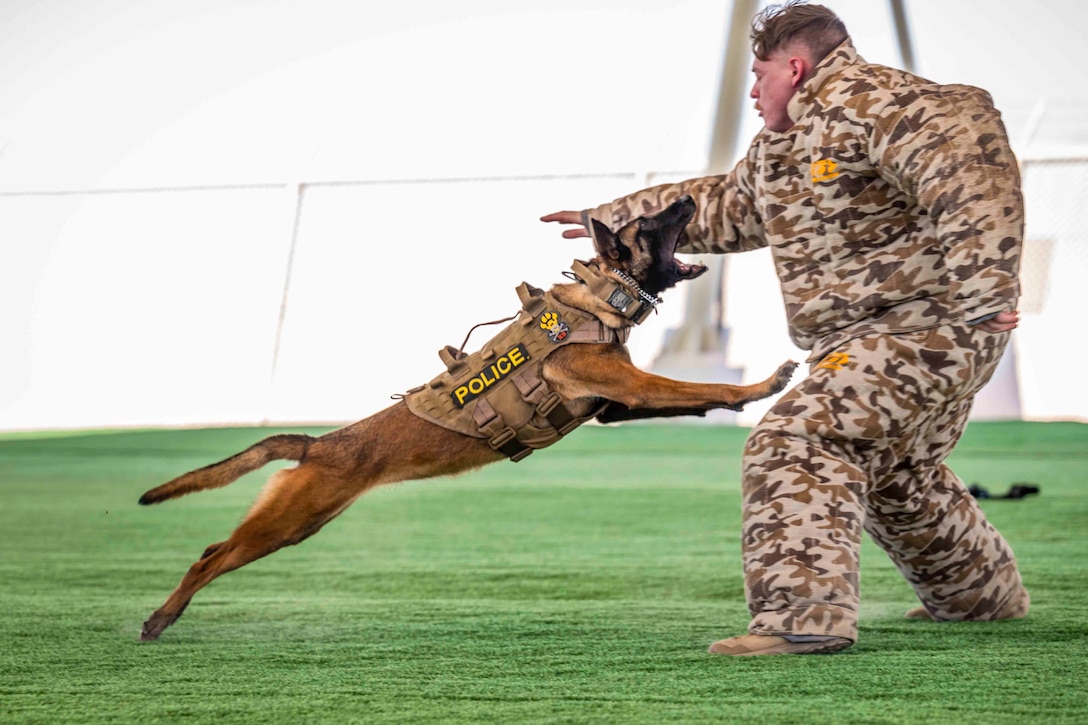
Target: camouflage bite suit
{"points": [[860, 444], [894, 215]]}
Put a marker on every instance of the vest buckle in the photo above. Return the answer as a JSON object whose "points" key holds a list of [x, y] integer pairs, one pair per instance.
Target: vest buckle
{"points": [[507, 443], [548, 404]]}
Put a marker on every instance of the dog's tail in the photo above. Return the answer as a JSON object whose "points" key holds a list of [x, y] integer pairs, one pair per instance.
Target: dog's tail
{"points": [[290, 447]]}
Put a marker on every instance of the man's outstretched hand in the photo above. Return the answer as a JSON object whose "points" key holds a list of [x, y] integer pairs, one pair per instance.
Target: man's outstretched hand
{"points": [[568, 217]]}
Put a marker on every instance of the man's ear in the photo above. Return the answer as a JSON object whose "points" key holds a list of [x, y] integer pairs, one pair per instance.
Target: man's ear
{"points": [[799, 68], [606, 242]]}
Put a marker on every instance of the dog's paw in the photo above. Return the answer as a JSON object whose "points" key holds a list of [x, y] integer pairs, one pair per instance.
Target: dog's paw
{"points": [[148, 633], [154, 626], [782, 375]]}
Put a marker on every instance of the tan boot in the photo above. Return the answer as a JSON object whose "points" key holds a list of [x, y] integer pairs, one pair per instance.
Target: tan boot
{"points": [[918, 613], [768, 644]]}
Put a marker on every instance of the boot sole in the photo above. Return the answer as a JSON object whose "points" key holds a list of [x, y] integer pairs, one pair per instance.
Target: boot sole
{"points": [[791, 648]]}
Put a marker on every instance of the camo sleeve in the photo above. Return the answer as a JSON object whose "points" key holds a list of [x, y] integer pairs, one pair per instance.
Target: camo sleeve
{"points": [[948, 149], [726, 220]]}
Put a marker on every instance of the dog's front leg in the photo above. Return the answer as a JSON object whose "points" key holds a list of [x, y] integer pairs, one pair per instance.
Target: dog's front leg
{"points": [[617, 412], [606, 371]]}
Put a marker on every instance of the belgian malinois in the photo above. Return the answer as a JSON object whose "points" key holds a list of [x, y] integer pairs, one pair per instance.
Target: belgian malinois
{"points": [[396, 445]]}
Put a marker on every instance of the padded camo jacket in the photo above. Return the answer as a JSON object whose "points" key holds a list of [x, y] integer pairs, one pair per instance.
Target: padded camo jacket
{"points": [[893, 204]]}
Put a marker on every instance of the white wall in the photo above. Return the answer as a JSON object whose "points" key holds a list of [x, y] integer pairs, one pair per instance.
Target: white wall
{"points": [[150, 156]]}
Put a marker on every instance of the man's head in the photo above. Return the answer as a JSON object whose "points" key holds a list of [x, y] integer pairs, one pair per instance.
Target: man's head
{"points": [[788, 41]]}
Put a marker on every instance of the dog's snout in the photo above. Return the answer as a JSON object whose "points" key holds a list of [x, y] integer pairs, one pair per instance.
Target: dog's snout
{"points": [[684, 206], [686, 202]]}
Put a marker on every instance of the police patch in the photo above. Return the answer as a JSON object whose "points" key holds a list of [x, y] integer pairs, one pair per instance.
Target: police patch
{"points": [[557, 329], [479, 383]]}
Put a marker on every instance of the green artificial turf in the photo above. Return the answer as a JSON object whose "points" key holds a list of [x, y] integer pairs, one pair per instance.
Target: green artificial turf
{"points": [[580, 585]]}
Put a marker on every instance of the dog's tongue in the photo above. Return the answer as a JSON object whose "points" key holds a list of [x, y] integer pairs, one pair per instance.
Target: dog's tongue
{"points": [[690, 270]]}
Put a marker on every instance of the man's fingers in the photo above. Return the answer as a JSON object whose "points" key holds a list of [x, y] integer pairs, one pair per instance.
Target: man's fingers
{"points": [[563, 217], [1005, 321], [568, 217], [1002, 322]]}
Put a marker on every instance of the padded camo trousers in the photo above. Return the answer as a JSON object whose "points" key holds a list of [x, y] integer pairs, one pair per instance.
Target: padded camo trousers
{"points": [[860, 444]]}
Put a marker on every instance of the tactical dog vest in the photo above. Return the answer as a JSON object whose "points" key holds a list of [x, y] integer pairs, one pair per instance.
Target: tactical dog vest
{"points": [[499, 393]]}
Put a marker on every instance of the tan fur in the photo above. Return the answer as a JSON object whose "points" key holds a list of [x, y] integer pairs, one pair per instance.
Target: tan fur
{"points": [[395, 445]]}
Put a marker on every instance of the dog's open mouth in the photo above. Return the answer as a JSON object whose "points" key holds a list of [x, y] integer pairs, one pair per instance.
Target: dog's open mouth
{"points": [[676, 218], [689, 271]]}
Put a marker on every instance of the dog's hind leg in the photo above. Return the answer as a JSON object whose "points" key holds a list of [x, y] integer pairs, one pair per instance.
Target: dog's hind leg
{"points": [[393, 445], [295, 504]]}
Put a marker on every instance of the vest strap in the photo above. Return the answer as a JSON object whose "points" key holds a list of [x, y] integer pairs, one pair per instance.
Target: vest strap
{"points": [[547, 403], [500, 437], [557, 414], [506, 442]]}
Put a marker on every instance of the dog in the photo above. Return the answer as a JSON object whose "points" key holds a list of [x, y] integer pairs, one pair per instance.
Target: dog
{"points": [[592, 379]]}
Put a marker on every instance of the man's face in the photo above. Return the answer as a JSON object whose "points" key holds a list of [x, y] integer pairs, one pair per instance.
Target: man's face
{"points": [[777, 79]]}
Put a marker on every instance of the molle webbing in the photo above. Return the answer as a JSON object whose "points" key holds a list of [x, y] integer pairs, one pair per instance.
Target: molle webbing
{"points": [[498, 392]]}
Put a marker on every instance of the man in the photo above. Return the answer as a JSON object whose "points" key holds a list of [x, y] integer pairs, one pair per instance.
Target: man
{"points": [[893, 210]]}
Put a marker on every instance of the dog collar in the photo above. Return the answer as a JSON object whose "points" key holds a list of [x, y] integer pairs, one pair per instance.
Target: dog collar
{"points": [[621, 297], [643, 295]]}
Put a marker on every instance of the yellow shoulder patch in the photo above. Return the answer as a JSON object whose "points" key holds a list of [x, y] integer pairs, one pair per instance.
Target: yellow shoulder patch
{"points": [[835, 361], [824, 170]]}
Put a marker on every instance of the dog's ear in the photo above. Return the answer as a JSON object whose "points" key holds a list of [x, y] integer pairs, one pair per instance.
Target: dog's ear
{"points": [[607, 243]]}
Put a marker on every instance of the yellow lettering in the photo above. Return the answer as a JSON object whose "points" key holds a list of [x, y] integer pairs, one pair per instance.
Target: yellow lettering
{"points": [[461, 392], [489, 376]]}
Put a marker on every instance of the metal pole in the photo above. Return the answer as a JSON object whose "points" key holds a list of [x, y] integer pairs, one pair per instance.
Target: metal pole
{"points": [[732, 91], [902, 33], [697, 349], [294, 194], [704, 314]]}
